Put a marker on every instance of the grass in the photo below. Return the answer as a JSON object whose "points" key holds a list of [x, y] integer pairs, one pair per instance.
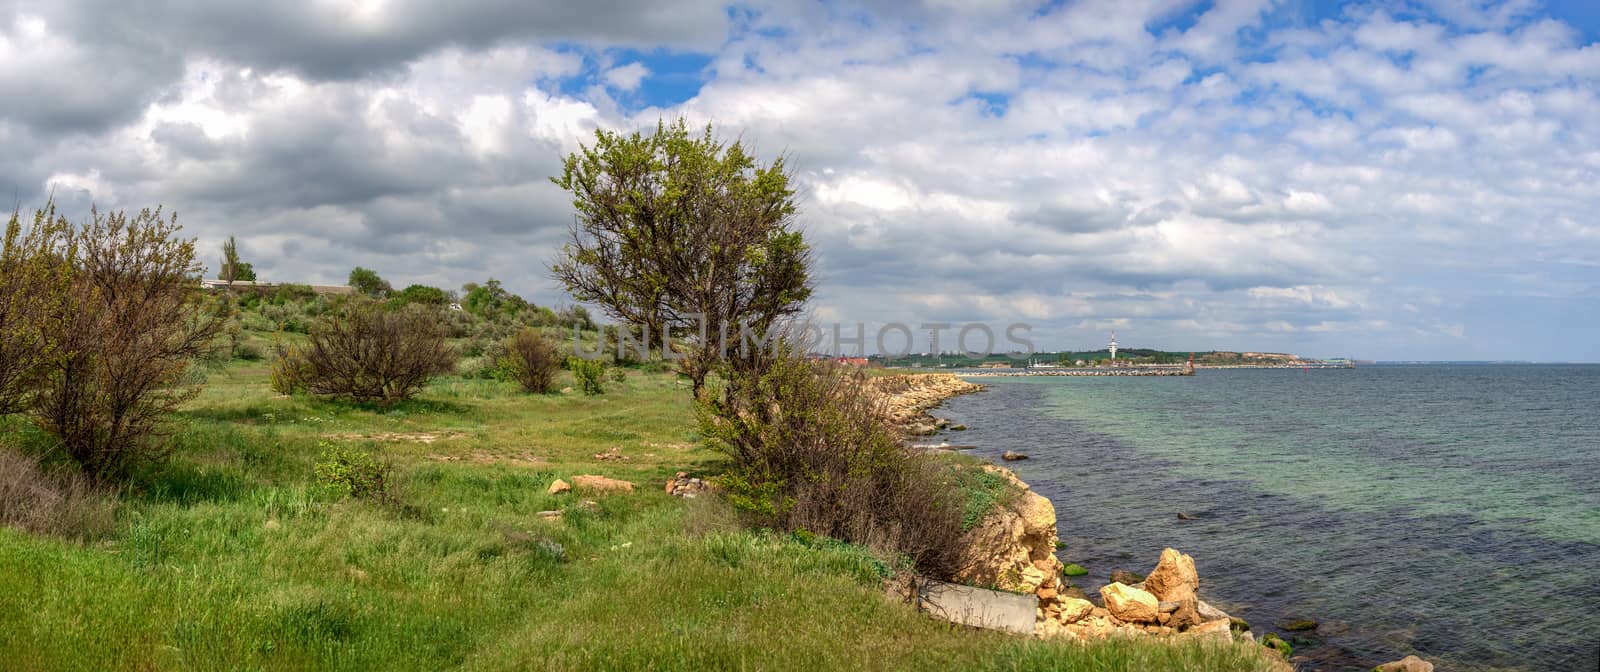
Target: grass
{"points": [[232, 557]]}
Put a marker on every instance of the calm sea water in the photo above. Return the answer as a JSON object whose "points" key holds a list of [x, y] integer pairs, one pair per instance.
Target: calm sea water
{"points": [[1447, 511]]}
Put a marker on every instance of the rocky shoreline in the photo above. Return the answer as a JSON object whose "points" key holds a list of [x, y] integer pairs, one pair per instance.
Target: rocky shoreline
{"points": [[1013, 550]]}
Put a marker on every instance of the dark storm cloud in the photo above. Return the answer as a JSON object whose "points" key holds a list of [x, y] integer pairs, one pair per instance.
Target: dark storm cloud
{"points": [[351, 40]]}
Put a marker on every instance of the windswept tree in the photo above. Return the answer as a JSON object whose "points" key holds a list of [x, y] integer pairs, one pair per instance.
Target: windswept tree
{"points": [[684, 232], [233, 270]]}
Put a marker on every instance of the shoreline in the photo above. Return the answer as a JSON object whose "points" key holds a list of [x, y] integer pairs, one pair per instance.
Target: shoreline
{"points": [[1163, 604]]}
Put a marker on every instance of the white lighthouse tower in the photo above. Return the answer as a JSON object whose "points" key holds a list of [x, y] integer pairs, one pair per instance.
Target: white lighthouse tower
{"points": [[1113, 347]]}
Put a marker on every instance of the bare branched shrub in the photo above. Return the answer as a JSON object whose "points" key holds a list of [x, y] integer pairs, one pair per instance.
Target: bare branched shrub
{"points": [[366, 352], [130, 325], [531, 360], [813, 451], [59, 502]]}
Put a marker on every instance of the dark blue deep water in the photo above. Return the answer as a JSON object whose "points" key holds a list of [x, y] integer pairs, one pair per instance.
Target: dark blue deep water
{"points": [[1448, 511]]}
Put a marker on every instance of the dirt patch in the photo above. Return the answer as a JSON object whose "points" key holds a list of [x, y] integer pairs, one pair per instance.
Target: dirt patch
{"points": [[425, 438], [486, 457]]}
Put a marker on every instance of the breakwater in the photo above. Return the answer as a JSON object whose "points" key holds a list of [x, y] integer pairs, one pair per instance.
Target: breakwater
{"points": [[1130, 371]]}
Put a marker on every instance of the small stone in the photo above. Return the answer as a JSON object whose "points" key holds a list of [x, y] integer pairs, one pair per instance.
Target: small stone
{"points": [[1185, 516], [566, 390], [1074, 569], [1208, 612], [1276, 643], [958, 428], [1125, 577], [1074, 610], [1299, 625], [1047, 593], [559, 486], [1013, 456], [1186, 615], [1162, 618], [1074, 592]]}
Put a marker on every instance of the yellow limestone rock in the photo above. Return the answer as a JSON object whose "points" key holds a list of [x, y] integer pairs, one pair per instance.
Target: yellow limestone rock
{"points": [[1129, 604], [1174, 578]]}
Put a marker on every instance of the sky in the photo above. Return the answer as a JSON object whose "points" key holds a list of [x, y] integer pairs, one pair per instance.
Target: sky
{"points": [[1386, 180]]}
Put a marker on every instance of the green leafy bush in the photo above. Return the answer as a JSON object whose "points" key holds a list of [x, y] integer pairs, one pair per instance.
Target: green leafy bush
{"points": [[812, 450], [590, 374], [530, 359], [348, 472]]}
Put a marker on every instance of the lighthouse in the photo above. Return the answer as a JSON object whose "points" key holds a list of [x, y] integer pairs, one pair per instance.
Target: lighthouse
{"points": [[1113, 347]]}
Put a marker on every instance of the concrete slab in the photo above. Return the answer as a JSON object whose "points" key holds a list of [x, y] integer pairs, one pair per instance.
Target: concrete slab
{"points": [[978, 607]]}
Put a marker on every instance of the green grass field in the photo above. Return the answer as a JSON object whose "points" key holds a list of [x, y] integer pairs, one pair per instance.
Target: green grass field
{"points": [[231, 557]]}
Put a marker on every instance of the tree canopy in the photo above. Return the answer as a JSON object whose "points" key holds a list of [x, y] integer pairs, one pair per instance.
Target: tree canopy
{"points": [[675, 225]]}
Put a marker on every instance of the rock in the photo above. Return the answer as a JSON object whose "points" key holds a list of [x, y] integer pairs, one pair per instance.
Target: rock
{"points": [[1276, 643], [1237, 624], [1208, 612], [566, 390], [558, 487], [1031, 579], [1187, 615], [1167, 606], [1074, 569], [1074, 592], [1129, 604], [549, 515], [1125, 577], [1174, 577], [958, 428], [1047, 593], [601, 483], [1184, 516], [1299, 625], [1217, 629], [1406, 664], [1012, 540], [1074, 609], [686, 486], [1013, 456]]}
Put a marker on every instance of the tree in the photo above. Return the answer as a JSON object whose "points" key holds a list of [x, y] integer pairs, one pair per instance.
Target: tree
{"points": [[423, 294], [232, 269], [683, 232], [367, 282], [124, 336], [32, 287], [491, 300]]}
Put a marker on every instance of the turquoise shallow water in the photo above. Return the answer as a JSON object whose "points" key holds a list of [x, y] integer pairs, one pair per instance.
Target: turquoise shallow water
{"points": [[1447, 511]]}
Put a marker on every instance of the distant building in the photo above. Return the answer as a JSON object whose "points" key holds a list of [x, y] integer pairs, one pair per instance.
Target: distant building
{"points": [[332, 290]]}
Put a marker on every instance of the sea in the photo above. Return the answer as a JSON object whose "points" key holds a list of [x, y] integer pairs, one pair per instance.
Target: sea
{"points": [[1448, 511]]}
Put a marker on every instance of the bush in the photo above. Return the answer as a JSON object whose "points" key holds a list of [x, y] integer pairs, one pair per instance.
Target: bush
{"points": [[590, 374], [367, 353], [60, 502], [248, 352], [124, 338], [289, 371], [530, 359], [812, 451], [348, 472]]}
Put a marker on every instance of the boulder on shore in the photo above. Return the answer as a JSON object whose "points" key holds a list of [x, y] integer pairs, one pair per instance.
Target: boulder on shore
{"points": [[1130, 604], [1013, 456], [1174, 578], [558, 487], [1406, 664], [1074, 610]]}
